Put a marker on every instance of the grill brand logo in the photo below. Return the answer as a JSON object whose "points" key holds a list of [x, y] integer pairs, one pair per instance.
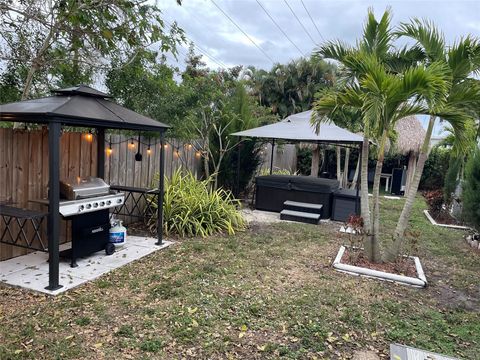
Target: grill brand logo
{"points": [[97, 230]]}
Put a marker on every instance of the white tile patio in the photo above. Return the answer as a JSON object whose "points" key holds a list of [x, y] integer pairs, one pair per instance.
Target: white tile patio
{"points": [[31, 271]]}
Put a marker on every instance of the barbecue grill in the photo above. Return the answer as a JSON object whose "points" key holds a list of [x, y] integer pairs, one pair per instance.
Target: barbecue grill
{"points": [[85, 195], [86, 202]]}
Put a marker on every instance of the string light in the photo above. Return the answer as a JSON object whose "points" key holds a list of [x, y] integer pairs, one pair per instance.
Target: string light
{"points": [[197, 154], [149, 151], [89, 137], [131, 145], [109, 149]]}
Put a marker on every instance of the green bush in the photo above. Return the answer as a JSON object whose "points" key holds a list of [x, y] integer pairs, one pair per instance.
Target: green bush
{"points": [[436, 167], [192, 208], [471, 190]]}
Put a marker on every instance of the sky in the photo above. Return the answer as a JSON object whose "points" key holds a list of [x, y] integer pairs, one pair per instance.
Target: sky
{"points": [[224, 44]]}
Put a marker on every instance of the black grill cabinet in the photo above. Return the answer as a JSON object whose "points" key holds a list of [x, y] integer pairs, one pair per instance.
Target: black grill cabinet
{"points": [[272, 191], [345, 203]]}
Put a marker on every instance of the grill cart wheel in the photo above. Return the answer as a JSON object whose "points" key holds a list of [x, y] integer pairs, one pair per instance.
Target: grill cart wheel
{"points": [[109, 249]]}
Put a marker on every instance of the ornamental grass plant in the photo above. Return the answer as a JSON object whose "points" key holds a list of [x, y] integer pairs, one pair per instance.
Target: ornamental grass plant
{"points": [[192, 208]]}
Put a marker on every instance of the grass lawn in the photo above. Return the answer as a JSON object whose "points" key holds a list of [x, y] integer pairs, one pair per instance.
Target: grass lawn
{"points": [[268, 292]]}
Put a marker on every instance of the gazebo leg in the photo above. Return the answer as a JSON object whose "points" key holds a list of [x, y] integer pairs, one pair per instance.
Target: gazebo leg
{"points": [[101, 153], [160, 190], [271, 157], [53, 206]]}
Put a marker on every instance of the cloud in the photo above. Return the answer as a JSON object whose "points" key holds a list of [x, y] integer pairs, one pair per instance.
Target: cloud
{"points": [[340, 19]]}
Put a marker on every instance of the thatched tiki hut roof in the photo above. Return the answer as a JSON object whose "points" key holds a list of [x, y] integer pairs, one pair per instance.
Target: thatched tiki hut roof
{"points": [[410, 135]]}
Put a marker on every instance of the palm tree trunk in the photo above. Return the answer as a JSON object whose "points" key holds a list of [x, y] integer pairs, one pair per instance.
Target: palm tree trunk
{"points": [[392, 252], [339, 165], [374, 255], [315, 161], [364, 206]]}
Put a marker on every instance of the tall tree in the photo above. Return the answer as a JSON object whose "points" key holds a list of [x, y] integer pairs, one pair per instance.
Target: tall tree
{"points": [[461, 104], [44, 34], [381, 85]]}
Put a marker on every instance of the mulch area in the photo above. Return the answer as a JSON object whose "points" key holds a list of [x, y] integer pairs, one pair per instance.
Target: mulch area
{"points": [[403, 266], [443, 217]]}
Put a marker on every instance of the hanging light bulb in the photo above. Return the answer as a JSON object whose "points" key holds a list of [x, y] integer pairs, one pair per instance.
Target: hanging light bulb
{"points": [[165, 146], [149, 151], [197, 154], [131, 145], [109, 149], [89, 136]]}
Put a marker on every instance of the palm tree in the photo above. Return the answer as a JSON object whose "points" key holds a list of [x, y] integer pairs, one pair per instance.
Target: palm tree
{"points": [[382, 98], [376, 40], [461, 104]]}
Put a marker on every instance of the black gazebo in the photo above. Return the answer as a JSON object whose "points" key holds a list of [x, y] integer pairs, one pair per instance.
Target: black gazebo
{"points": [[79, 106]]}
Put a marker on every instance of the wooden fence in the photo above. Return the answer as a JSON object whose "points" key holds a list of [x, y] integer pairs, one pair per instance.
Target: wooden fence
{"points": [[24, 166]]}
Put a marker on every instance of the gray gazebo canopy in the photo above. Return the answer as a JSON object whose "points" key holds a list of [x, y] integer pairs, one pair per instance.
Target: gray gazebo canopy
{"points": [[79, 106], [297, 128]]}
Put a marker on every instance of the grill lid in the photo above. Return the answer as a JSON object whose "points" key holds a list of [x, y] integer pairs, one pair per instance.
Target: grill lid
{"points": [[83, 187]]}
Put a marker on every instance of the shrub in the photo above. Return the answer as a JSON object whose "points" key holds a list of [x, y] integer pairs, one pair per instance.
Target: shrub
{"points": [[192, 208], [304, 160], [436, 166], [434, 199], [471, 190], [451, 179], [249, 161]]}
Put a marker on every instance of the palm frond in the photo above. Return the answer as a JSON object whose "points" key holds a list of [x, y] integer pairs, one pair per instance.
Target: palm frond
{"points": [[427, 35], [377, 35], [399, 60], [462, 57], [334, 50]]}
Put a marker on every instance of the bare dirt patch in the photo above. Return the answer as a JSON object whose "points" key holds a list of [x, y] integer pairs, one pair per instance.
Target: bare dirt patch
{"points": [[403, 266]]}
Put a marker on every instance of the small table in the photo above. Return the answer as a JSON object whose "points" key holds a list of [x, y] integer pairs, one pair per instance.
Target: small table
{"points": [[388, 182], [19, 235]]}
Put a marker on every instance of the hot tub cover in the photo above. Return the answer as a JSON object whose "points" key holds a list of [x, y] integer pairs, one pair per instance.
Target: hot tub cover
{"points": [[300, 183]]}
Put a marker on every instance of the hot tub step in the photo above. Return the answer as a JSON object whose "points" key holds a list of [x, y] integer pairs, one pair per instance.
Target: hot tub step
{"points": [[303, 207], [300, 216]]}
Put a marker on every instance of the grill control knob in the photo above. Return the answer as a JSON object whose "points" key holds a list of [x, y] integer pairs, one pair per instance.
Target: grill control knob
{"points": [[81, 208], [109, 202], [102, 203], [88, 206], [119, 201], [95, 204]]}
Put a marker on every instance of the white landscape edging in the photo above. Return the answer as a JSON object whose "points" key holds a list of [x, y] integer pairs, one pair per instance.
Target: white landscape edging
{"points": [[432, 220], [420, 281]]}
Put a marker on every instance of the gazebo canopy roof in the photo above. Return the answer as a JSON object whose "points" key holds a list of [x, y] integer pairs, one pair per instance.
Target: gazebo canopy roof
{"points": [[78, 106], [297, 128]]}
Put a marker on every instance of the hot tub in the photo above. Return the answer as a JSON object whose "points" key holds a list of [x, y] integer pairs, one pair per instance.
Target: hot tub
{"points": [[272, 191]]}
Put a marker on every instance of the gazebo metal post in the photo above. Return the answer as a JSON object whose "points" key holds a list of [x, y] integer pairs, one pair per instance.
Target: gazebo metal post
{"points": [[53, 205], [271, 157], [101, 153], [160, 190]]}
